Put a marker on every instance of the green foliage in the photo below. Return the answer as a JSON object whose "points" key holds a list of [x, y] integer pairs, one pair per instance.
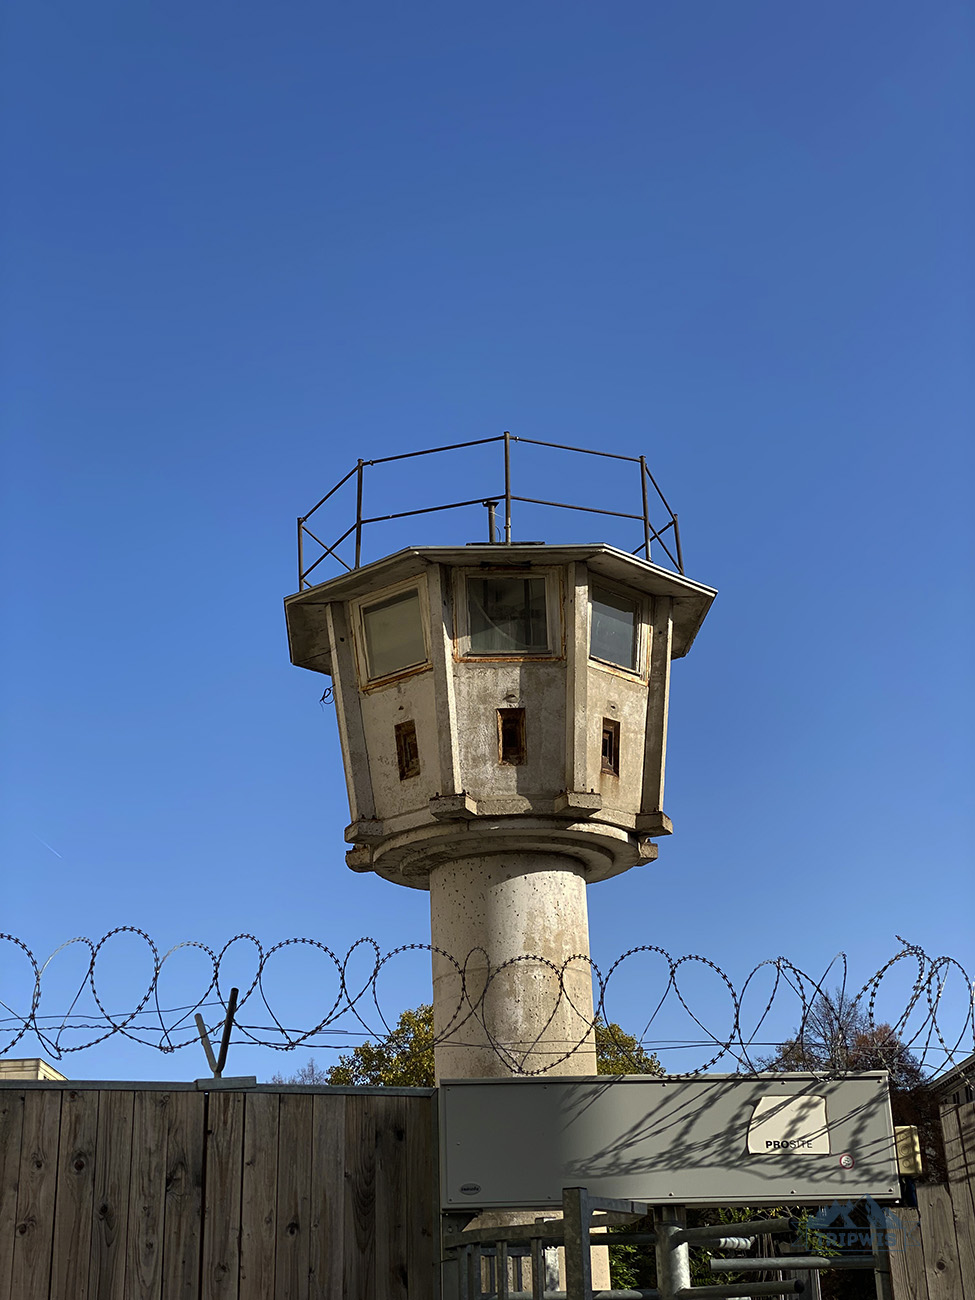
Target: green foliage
{"points": [[620, 1053], [405, 1058], [631, 1266], [635, 1266]]}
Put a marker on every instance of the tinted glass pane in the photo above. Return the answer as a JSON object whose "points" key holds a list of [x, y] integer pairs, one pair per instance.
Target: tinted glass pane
{"points": [[614, 625], [394, 634], [507, 615]]}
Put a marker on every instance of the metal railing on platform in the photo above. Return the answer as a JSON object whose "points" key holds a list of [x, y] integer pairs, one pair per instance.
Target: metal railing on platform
{"points": [[665, 533]]}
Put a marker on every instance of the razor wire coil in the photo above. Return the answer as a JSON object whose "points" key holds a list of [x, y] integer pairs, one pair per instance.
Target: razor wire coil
{"points": [[938, 1035]]}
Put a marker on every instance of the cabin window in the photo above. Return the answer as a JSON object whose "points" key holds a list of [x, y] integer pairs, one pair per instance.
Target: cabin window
{"points": [[393, 634], [507, 615], [613, 635]]}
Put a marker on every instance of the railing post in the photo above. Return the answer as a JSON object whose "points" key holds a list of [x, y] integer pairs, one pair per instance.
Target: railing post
{"points": [[301, 554], [501, 1271], [646, 508], [507, 488], [538, 1269], [881, 1263], [680, 553], [578, 1253], [358, 512], [673, 1261]]}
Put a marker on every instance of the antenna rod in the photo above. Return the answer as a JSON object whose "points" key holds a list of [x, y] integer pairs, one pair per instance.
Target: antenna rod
{"points": [[507, 488]]}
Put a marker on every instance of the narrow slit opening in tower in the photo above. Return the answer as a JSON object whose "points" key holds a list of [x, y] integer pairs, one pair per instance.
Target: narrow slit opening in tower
{"points": [[511, 737], [611, 746], [407, 750]]}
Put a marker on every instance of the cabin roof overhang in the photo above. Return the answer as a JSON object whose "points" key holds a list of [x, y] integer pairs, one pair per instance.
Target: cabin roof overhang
{"points": [[305, 610]]}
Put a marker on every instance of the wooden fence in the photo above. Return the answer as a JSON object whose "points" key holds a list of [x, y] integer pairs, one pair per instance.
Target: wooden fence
{"points": [[938, 1261], [162, 1192]]}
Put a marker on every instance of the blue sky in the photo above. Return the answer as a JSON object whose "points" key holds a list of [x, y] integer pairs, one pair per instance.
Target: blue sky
{"points": [[244, 244]]}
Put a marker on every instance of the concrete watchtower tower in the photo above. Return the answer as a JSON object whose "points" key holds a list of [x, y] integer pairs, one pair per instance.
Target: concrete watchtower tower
{"points": [[502, 709]]}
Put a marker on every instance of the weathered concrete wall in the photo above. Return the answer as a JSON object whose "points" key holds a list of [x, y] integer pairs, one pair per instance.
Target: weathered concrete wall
{"points": [[410, 699], [454, 701], [538, 688], [622, 697]]}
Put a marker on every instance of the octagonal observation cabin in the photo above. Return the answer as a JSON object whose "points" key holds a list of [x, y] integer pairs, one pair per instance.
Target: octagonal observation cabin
{"points": [[505, 692]]}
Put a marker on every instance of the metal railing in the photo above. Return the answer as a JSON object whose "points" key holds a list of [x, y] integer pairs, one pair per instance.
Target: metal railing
{"points": [[581, 1213], [666, 536], [502, 1247]]}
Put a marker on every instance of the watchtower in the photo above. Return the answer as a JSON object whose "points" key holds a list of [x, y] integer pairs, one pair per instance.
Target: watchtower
{"points": [[502, 709]]}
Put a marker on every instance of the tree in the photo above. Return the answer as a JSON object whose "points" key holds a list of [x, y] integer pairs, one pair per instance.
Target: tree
{"points": [[405, 1058], [402, 1060], [620, 1053], [838, 1035], [310, 1074]]}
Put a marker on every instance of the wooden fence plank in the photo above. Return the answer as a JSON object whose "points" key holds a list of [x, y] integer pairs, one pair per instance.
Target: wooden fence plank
{"points": [[955, 1160], [327, 1198], [940, 1246], [259, 1184], [391, 1184], [182, 1223], [115, 1194], [34, 1233], [965, 1115], [113, 1168], [359, 1216], [966, 1122], [960, 1161], [11, 1134], [147, 1188], [422, 1206], [907, 1265], [75, 1194], [221, 1212], [292, 1254]]}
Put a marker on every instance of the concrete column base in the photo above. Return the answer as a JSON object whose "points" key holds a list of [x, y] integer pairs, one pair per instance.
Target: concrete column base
{"points": [[499, 1015]]}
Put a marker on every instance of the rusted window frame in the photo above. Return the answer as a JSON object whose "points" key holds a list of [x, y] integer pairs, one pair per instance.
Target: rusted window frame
{"points": [[555, 622], [361, 605], [642, 605]]}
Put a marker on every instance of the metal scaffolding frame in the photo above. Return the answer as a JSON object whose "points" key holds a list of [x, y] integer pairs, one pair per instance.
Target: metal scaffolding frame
{"points": [[671, 1238]]}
